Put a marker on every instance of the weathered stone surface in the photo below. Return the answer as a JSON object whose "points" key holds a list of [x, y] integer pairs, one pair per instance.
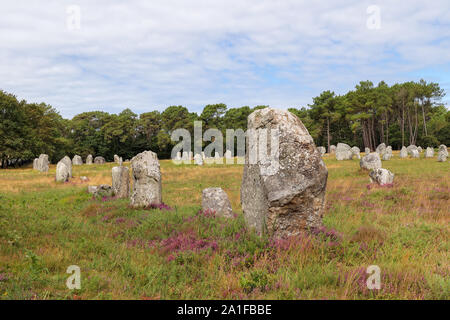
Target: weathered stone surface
{"points": [[62, 172], [66, 160], [343, 152], [89, 159], [415, 153], [99, 160], [356, 152], [216, 200], [116, 159], [42, 163], [403, 152], [419, 148], [285, 197], [121, 181], [322, 150], [332, 148], [77, 161], [410, 148], [388, 153], [443, 148], [367, 150], [381, 176], [92, 189], [442, 157], [381, 149], [104, 190], [198, 160], [371, 161], [429, 153], [146, 180]]}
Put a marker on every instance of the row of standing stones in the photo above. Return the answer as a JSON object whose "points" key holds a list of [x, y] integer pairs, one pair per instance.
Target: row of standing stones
{"points": [[280, 203]]}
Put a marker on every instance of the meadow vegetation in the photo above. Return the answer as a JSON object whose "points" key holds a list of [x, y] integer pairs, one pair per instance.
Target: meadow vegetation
{"points": [[179, 252]]}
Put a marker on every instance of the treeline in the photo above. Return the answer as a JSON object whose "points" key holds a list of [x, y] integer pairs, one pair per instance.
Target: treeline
{"points": [[402, 114]]}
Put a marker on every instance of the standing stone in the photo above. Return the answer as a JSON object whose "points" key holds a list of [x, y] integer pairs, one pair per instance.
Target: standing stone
{"points": [[443, 148], [35, 163], [332, 148], [371, 161], [419, 148], [343, 152], [66, 160], [367, 151], [99, 160], [89, 159], [146, 180], [198, 159], [381, 176], [322, 150], [442, 156], [228, 154], [415, 153], [410, 148], [388, 153], [104, 190], [288, 199], [62, 172], [216, 200], [121, 181], [381, 149], [77, 161], [429, 153], [116, 158], [403, 152], [42, 163], [356, 152]]}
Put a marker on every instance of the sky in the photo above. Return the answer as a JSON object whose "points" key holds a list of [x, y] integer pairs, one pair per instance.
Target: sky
{"points": [[147, 55]]}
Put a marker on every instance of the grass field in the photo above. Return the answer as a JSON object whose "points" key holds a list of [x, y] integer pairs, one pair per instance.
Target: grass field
{"points": [[182, 253]]}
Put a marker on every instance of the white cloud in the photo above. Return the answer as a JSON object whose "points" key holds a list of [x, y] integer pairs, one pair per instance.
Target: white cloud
{"points": [[152, 54]]}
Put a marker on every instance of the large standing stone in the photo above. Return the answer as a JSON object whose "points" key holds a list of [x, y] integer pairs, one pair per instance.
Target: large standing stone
{"points": [[116, 159], [216, 200], [322, 150], [332, 148], [403, 152], [146, 180], [410, 148], [66, 160], [284, 197], [121, 181], [442, 156], [89, 159], [443, 148], [62, 172], [388, 153], [381, 176], [419, 148], [371, 161], [356, 152], [343, 152], [429, 153], [415, 153], [42, 163], [77, 161], [99, 160], [381, 149]]}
